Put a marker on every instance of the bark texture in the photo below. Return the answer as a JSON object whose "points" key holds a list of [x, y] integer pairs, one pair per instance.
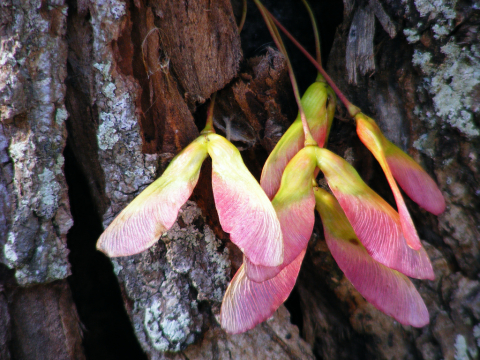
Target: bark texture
{"points": [[50, 312], [122, 85], [39, 322], [33, 115]]}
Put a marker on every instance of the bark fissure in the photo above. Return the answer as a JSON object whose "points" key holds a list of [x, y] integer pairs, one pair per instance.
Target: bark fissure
{"points": [[108, 333]]}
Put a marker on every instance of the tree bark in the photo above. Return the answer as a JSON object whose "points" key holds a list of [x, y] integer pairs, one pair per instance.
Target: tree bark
{"points": [[97, 96]]}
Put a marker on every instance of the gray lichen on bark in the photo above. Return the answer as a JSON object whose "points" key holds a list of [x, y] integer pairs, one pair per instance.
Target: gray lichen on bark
{"points": [[275, 339], [32, 90], [450, 66], [451, 81], [127, 170], [168, 282]]}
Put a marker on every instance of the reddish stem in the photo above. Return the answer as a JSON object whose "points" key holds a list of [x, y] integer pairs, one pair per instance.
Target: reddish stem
{"points": [[352, 109]]}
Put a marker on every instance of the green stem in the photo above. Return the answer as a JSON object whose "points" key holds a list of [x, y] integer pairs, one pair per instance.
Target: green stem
{"points": [[209, 129], [309, 141], [316, 33], [352, 109], [244, 16]]}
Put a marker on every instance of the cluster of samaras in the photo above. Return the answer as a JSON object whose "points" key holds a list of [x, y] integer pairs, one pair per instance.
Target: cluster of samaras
{"points": [[374, 245]]}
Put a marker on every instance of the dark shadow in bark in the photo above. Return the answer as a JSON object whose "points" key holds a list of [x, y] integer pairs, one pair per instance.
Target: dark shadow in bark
{"points": [[293, 306], [292, 14], [108, 333]]}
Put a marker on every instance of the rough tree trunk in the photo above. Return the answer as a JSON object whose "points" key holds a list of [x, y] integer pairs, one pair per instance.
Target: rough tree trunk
{"points": [[99, 95]]}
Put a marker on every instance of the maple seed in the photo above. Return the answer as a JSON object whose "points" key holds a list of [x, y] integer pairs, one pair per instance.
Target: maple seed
{"points": [[243, 208], [370, 134], [247, 303], [155, 210], [319, 103], [294, 204], [374, 221], [388, 290]]}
